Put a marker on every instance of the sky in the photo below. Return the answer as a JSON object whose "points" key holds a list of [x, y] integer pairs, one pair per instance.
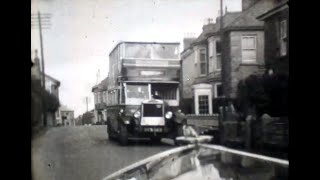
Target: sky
{"points": [[82, 33]]}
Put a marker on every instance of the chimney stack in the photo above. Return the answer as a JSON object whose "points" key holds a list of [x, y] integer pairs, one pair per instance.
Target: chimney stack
{"points": [[188, 39]]}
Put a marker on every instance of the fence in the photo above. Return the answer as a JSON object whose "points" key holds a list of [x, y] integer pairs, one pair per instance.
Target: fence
{"points": [[203, 120]]}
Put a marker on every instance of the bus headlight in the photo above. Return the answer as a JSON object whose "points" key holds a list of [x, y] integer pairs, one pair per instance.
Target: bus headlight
{"points": [[168, 115], [137, 114], [126, 122]]}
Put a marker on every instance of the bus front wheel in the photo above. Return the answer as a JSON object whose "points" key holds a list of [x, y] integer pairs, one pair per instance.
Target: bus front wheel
{"points": [[123, 134]]}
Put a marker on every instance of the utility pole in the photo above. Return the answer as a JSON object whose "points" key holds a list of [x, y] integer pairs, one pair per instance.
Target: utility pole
{"points": [[223, 110], [87, 103], [221, 14], [37, 20], [98, 76], [41, 48], [86, 100]]}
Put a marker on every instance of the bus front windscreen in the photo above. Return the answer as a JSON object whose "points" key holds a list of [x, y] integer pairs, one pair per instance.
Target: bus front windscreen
{"points": [[137, 92]]}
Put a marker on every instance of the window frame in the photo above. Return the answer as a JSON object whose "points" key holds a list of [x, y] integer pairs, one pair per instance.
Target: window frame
{"points": [[216, 90], [211, 55], [95, 98], [283, 34], [218, 55], [203, 62], [283, 28], [199, 104], [200, 90], [211, 47], [247, 49]]}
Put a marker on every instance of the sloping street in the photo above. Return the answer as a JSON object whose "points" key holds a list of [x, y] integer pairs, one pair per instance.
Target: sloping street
{"points": [[84, 152]]}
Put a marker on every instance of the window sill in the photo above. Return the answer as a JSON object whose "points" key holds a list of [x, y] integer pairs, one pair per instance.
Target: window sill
{"points": [[283, 56]]}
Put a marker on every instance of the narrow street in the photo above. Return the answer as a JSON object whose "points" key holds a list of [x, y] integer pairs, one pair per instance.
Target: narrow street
{"points": [[84, 152]]}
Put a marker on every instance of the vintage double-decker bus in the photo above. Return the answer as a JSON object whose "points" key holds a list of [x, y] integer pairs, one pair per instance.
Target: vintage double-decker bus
{"points": [[143, 90]]}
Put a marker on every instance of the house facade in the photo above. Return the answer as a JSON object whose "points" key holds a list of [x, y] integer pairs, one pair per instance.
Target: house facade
{"points": [[276, 21], [51, 85], [201, 69], [243, 46], [276, 27], [215, 62], [188, 75], [65, 116], [199, 77], [100, 100]]}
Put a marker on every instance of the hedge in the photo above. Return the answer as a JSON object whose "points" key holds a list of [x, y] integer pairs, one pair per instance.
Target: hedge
{"points": [[263, 94], [40, 98]]}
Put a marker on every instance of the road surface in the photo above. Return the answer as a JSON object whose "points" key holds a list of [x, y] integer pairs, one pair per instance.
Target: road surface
{"points": [[84, 153]]}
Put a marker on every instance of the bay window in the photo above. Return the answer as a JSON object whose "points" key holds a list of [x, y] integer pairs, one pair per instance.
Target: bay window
{"points": [[218, 56], [203, 62]]}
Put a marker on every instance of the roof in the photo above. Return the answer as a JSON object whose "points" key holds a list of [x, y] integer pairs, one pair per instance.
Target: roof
{"points": [[185, 53], [104, 84], [94, 87], [248, 18], [228, 18], [205, 30], [52, 79], [277, 8], [211, 29], [101, 86]]}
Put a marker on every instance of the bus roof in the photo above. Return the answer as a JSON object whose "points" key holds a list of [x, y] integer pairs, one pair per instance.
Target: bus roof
{"points": [[141, 42], [150, 81]]}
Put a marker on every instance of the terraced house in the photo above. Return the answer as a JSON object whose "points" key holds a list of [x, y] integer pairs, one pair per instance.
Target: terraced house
{"points": [[52, 86], [276, 21], [201, 62], [243, 45], [215, 62], [100, 100]]}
